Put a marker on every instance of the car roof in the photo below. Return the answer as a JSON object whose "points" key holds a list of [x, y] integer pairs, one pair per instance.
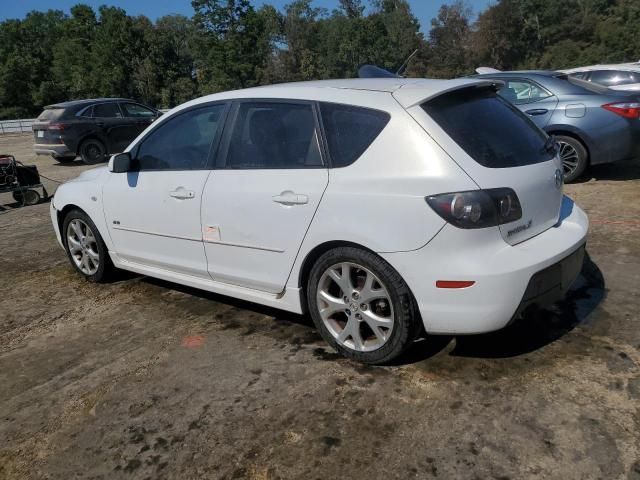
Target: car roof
{"points": [[88, 101], [521, 73], [407, 91]]}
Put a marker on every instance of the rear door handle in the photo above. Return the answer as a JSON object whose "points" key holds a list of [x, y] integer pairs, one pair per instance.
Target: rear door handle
{"points": [[536, 111], [182, 193], [289, 198]]}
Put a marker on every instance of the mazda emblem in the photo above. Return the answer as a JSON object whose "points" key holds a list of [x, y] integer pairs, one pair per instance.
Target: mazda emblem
{"points": [[559, 178]]}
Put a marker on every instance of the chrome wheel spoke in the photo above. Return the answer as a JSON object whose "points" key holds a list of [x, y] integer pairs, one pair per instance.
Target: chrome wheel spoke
{"points": [[74, 245], [343, 279], [369, 293], [332, 304]]}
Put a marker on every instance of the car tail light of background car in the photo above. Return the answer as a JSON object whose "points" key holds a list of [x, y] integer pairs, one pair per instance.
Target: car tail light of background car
{"points": [[625, 109]]}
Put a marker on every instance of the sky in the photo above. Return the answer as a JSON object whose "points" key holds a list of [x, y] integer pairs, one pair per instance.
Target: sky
{"points": [[425, 10]]}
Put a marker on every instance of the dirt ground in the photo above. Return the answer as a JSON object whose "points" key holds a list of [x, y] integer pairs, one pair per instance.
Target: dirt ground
{"points": [[145, 379]]}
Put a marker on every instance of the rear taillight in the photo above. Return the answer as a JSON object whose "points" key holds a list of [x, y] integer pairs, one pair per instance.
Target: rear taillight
{"points": [[477, 208], [626, 110], [57, 126]]}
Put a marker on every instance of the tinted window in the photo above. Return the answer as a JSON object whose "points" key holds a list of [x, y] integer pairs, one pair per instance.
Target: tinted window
{"points": [[613, 77], [274, 135], [581, 75], [137, 111], [106, 110], [51, 114], [493, 132], [350, 130], [182, 142], [520, 92]]}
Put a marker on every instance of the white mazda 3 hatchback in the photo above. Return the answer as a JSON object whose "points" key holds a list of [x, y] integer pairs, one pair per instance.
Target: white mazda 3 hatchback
{"points": [[382, 207]]}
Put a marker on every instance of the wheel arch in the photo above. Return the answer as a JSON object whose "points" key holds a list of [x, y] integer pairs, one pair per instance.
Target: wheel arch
{"points": [[576, 135]]}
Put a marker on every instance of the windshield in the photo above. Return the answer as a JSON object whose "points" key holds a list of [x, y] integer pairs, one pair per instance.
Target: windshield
{"points": [[491, 130]]}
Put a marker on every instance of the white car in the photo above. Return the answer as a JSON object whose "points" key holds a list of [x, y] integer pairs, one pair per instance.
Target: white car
{"points": [[384, 208], [621, 76]]}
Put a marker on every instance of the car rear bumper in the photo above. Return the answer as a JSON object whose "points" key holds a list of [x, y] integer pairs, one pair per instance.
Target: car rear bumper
{"points": [[507, 278], [53, 149]]}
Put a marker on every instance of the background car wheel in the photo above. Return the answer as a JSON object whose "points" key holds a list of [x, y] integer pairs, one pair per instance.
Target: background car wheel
{"points": [[27, 197], [574, 157], [85, 248], [92, 151], [361, 305], [64, 159]]}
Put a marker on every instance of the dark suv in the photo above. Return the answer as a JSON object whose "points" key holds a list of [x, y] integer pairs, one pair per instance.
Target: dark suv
{"points": [[90, 128]]}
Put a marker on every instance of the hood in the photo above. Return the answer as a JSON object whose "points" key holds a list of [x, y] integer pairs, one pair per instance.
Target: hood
{"points": [[90, 175]]}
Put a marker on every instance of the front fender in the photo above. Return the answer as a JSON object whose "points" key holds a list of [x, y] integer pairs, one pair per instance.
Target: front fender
{"points": [[87, 196]]}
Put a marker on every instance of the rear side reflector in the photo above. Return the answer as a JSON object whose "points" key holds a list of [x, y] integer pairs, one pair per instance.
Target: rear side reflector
{"points": [[454, 283], [626, 110]]}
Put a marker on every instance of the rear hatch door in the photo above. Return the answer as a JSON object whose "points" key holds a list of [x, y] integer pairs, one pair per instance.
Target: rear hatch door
{"points": [[41, 132], [498, 146]]}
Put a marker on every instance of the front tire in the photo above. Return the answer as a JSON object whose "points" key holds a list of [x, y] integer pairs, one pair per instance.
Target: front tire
{"points": [[92, 151], [574, 156], [85, 248], [361, 305]]}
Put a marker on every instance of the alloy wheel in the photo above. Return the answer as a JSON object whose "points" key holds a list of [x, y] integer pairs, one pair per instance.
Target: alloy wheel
{"points": [[355, 306], [83, 247], [569, 156]]}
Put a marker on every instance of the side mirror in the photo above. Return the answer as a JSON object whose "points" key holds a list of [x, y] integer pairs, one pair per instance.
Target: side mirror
{"points": [[120, 163]]}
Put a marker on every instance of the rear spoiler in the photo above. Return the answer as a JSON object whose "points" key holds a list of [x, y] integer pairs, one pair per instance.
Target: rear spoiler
{"points": [[482, 70], [421, 91]]}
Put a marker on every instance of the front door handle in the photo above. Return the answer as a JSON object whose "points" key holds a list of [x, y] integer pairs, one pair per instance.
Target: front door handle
{"points": [[289, 198], [182, 193], [536, 111]]}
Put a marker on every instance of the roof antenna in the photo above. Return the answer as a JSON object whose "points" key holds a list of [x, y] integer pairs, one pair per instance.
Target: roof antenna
{"points": [[406, 62]]}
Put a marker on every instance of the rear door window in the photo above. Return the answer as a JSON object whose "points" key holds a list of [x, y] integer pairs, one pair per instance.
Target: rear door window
{"points": [[350, 130], [489, 129], [106, 110], [520, 92], [274, 135]]}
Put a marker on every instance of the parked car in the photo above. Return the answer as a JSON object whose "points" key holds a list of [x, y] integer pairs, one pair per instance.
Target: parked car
{"points": [[383, 207], [90, 128], [621, 76], [591, 123]]}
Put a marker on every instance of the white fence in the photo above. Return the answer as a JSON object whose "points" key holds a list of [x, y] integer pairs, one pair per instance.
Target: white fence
{"points": [[16, 126]]}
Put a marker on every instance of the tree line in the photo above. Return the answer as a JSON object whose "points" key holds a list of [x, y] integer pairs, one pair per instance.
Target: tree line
{"points": [[50, 56]]}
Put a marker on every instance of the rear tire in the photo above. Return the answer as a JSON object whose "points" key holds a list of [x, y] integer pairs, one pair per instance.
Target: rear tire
{"points": [[574, 156], [85, 248], [92, 151], [361, 306]]}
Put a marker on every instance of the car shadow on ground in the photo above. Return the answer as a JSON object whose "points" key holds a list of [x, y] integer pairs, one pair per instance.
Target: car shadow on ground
{"points": [[536, 328], [619, 171], [533, 331]]}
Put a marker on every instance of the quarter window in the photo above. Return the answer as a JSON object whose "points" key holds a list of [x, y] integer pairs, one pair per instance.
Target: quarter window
{"points": [[137, 111], [106, 110], [182, 142], [274, 135], [350, 130]]}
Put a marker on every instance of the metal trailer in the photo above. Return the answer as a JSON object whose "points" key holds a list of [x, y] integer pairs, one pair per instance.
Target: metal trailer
{"points": [[22, 181]]}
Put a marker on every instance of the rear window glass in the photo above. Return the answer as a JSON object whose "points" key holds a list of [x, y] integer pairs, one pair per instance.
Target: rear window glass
{"points": [[51, 114], [492, 131], [106, 110], [350, 130]]}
